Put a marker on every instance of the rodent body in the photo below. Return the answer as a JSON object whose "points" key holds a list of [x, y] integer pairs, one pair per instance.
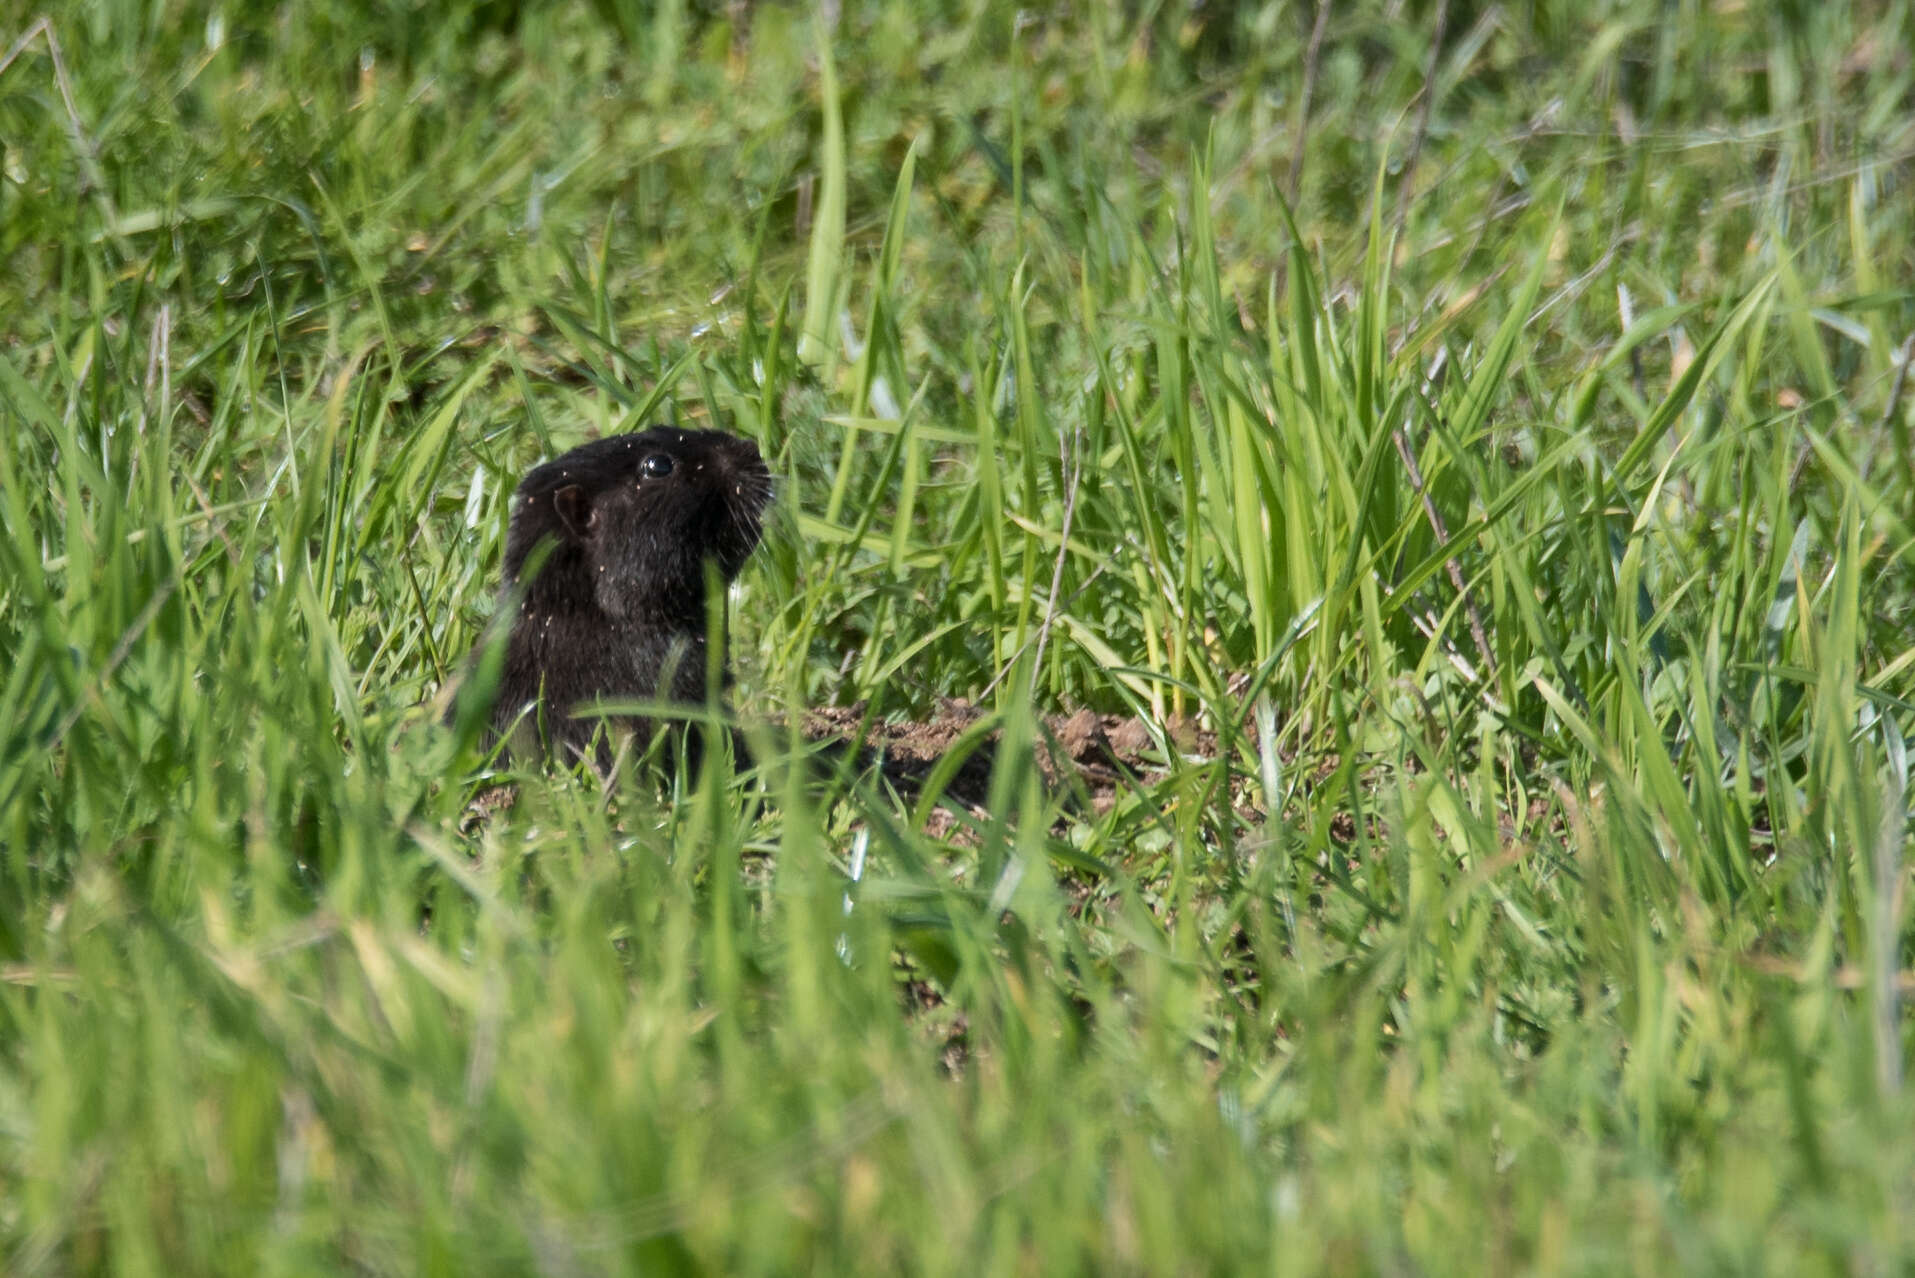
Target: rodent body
{"points": [[605, 567]]}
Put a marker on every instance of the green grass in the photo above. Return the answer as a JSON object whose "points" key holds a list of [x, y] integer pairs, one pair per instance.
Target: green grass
{"points": [[1527, 506]]}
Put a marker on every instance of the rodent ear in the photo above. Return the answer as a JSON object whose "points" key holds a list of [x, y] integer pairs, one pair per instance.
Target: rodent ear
{"points": [[574, 511]]}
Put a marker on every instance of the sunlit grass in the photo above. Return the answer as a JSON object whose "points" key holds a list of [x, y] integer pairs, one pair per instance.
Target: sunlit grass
{"points": [[1506, 545]]}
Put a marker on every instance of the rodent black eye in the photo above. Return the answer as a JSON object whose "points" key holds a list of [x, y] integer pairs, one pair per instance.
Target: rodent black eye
{"points": [[657, 466]]}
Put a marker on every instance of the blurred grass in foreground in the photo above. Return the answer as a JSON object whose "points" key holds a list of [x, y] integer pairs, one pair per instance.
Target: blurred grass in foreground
{"points": [[1540, 489]]}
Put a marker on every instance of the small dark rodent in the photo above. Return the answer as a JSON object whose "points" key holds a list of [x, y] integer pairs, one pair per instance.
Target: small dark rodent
{"points": [[616, 608]]}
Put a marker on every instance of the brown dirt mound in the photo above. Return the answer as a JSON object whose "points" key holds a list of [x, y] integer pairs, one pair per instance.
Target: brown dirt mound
{"points": [[1097, 750]]}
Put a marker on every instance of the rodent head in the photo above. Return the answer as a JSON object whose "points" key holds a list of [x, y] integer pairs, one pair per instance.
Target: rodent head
{"points": [[634, 519]]}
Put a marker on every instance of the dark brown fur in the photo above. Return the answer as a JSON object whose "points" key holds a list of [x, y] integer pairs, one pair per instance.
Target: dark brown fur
{"points": [[615, 610]]}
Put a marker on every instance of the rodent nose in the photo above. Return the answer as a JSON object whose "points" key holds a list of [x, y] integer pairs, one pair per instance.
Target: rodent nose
{"points": [[742, 455]]}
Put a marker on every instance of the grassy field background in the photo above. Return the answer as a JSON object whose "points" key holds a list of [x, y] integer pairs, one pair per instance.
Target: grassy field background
{"points": [[1488, 424]]}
